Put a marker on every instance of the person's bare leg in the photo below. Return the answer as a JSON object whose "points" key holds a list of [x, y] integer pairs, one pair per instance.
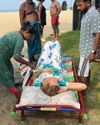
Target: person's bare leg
{"points": [[86, 81], [42, 31], [54, 35], [57, 34]]}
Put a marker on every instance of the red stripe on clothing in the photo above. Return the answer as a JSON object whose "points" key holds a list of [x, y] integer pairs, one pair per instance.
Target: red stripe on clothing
{"points": [[67, 61], [23, 68]]}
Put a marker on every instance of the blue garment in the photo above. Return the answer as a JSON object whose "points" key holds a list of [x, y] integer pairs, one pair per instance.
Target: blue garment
{"points": [[43, 16], [34, 45]]}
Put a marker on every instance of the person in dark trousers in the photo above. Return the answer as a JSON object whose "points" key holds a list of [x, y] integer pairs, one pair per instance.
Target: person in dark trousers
{"points": [[42, 15], [28, 12]]}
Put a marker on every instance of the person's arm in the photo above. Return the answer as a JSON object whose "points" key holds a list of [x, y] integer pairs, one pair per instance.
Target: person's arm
{"points": [[50, 9], [17, 53], [39, 11], [73, 86], [21, 14], [58, 8], [21, 60], [95, 46], [97, 41], [95, 31]]}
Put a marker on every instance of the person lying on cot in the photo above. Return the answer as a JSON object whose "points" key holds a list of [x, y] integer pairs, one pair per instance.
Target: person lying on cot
{"points": [[11, 45], [51, 73], [51, 84]]}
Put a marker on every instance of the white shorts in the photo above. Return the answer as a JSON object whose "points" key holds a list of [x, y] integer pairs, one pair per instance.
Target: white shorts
{"points": [[84, 67]]}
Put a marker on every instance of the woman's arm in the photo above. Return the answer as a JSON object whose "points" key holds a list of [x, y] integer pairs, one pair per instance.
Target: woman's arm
{"points": [[21, 60], [73, 86]]}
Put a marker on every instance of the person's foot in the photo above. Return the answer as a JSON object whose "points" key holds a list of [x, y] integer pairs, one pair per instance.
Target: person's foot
{"points": [[18, 83], [18, 94], [15, 91]]}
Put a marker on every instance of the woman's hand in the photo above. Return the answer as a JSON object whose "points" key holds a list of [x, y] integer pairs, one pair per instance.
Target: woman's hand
{"points": [[62, 89], [31, 66]]}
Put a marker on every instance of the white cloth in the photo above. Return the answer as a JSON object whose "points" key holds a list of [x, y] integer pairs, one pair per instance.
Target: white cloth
{"points": [[84, 67], [35, 96]]}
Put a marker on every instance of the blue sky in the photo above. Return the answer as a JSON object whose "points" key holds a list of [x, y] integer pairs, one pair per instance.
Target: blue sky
{"points": [[14, 4]]}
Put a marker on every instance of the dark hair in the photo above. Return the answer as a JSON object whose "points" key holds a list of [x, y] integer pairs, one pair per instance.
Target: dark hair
{"points": [[27, 27], [50, 90], [30, 1], [84, 0], [41, 0]]}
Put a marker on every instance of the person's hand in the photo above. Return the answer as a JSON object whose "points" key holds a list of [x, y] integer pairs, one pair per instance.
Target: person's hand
{"points": [[47, 70], [62, 89], [41, 27], [22, 55], [91, 57], [31, 66]]}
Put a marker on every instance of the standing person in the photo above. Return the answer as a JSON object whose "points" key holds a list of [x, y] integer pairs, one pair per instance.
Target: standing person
{"points": [[42, 15], [11, 45], [34, 46], [28, 12], [26, 8], [55, 10], [89, 37]]}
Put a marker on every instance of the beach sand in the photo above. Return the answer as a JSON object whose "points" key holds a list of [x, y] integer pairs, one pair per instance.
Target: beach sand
{"points": [[10, 22]]}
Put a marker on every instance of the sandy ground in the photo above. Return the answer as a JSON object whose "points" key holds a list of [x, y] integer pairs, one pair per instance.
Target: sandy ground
{"points": [[10, 22]]}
